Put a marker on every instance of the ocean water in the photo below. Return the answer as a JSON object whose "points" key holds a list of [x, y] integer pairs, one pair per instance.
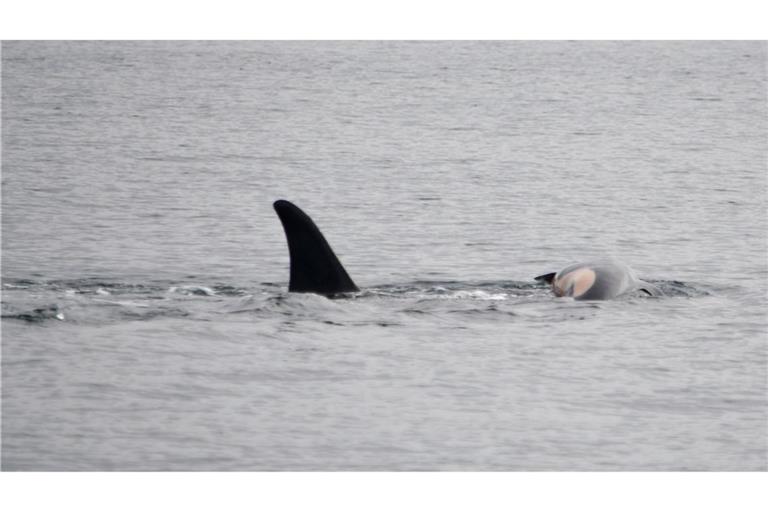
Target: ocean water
{"points": [[145, 319]]}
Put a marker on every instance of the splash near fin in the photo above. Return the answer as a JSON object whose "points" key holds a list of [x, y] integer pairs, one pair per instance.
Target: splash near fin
{"points": [[547, 278], [314, 266]]}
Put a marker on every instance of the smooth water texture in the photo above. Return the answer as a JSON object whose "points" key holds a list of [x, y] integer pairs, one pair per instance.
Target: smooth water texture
{"points": [[146, 323]]}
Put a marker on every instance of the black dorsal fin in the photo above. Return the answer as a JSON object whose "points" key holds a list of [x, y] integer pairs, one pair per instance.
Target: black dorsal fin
{"points": [[314, 266]]}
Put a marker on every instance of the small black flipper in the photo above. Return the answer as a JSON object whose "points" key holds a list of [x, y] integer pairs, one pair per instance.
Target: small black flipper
{"points": [[314, 266], [547, 278]]}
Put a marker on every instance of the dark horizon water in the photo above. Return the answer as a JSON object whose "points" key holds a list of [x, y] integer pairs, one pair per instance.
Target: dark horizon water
{"points": [[145, 319]]}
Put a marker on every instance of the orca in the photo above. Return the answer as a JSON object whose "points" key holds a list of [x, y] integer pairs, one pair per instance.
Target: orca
{"points": [[314, 267], [598, 280]]}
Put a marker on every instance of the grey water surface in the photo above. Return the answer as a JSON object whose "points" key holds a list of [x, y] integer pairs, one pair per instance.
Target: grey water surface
{"points": [[145, 319]]}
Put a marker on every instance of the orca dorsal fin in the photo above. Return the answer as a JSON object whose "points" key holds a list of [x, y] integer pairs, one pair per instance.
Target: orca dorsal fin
{"points": [[314, 266]]}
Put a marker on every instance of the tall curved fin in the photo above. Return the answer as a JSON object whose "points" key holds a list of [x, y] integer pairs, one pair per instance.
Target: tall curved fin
{"points": [[314, 266]]}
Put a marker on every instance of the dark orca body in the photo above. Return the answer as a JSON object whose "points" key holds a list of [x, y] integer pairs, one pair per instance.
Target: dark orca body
{"points": [[316, 269], [314, 266]]}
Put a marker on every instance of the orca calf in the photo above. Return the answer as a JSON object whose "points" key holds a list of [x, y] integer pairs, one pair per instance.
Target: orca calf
{"points": [[598, 280], [316, 269]]}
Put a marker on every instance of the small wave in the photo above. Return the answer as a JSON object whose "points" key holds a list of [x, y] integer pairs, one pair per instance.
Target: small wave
{"points": [[192, 290], [155, 313], [96, 286], [124, 303], [472, 295], [681, 289], [229, 291], [37, 315], [101, 286], [455, 290], [20, 284]]}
